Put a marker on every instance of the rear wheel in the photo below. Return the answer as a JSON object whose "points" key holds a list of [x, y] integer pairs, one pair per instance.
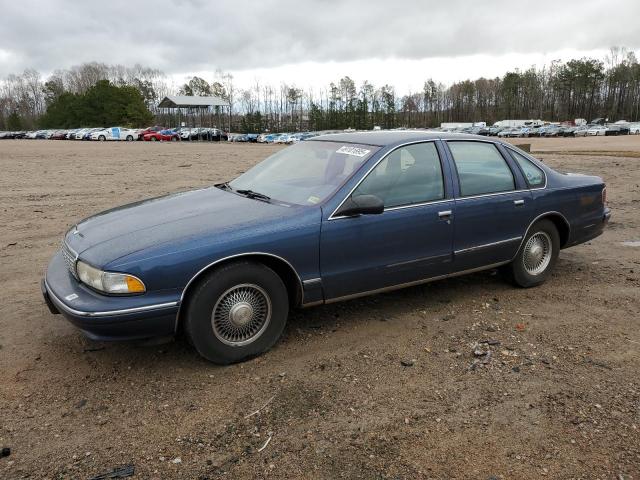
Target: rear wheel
{"points": [[129, 138], [537, 255], [102, 138], [236, 312]]}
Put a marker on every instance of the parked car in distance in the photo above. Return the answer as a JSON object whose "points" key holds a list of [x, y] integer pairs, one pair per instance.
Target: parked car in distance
{"points": [[189, 133], [225, 264], [282, 138], [18, 135], [554, 131], [597, 130], [79, 133], [271, 137], [506, 132], [115, 133], [59, 135], [634, 128], [613, 131], [581, 131], [161, 136], [89, 132], [618, 129], [155, 128]]}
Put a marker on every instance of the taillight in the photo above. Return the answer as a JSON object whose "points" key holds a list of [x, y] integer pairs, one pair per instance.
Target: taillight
{"points": [[604, 196]]}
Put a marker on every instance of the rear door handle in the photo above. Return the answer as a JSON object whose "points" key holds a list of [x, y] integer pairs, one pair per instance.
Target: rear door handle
{"points": [[518, 202], [444, 214]]}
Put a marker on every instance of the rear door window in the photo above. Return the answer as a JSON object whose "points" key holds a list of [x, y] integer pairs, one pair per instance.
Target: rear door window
{"points": [[481, 168]]}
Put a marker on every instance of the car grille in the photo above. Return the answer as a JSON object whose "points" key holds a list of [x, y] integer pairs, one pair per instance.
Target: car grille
{"points": [[70, 259]]}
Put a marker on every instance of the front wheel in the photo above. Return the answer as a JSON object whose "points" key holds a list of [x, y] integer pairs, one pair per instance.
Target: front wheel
{"points": [[129, 138], [236, 312], [537, 255], [102, 138]]}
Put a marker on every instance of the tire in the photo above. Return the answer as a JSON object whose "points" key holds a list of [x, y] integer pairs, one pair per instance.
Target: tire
{"points": [[527, 270], [174, 139], [102, 138], [129, 138], [252, 290]]}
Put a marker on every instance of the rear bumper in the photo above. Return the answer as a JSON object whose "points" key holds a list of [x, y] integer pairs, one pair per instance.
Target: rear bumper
{"points": [[105, 318]]}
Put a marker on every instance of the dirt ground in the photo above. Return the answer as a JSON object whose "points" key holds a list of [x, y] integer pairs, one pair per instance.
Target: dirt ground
{"points": [[385, 387]]}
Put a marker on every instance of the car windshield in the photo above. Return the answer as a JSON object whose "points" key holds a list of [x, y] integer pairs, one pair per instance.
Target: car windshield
{"points": [[305, 173]]}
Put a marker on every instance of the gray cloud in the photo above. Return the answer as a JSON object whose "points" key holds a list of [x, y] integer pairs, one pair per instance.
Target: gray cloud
{"points": [[180, 37]]}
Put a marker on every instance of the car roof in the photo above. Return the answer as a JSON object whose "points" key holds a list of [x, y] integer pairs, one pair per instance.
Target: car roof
{"points": [[382, 138]]}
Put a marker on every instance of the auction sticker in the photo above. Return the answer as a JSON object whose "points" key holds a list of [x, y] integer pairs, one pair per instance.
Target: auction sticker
{"points": [[358, 152]]}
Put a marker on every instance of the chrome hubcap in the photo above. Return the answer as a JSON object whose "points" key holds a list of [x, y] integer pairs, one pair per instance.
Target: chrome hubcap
{"points": [[241, 315], [537, 253]]}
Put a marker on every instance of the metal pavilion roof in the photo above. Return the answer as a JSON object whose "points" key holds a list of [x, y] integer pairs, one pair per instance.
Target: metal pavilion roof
{"points": [[184, 101]]}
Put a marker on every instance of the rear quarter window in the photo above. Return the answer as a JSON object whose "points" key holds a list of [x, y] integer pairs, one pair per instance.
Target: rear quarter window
{"points": [[534, 174]]}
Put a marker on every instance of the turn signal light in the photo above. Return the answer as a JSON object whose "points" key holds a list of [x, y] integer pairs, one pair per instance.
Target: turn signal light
{"points": [[134, 285]]}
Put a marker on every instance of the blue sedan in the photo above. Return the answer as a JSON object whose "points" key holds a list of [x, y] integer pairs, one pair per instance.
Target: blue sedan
{"points": [[336, 217]]}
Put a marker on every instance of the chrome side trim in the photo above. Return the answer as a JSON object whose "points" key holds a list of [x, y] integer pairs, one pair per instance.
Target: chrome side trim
{"points": [[402, 207], [494, 194], [417, 282], [311, 281], [108, 313], [423, 259], [331, 217], [238, 255], [545, 214], [312, 304], [414, 205], [486, 245]]}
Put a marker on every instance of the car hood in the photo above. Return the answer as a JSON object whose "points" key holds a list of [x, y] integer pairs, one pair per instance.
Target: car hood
{"points": [[174, 218]]}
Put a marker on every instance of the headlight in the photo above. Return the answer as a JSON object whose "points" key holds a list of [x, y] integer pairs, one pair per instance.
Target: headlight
{"points": [[109, 282]]}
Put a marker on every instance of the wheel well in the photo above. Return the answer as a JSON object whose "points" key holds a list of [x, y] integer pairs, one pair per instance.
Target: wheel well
{"points": [[562, 226], [284, 270]]}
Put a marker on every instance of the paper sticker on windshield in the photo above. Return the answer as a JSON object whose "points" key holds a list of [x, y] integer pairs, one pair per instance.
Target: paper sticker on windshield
{"points": [[357, 152]]}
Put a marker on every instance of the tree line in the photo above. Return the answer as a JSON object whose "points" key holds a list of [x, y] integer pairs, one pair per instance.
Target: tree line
{"points": [[95, 93]]}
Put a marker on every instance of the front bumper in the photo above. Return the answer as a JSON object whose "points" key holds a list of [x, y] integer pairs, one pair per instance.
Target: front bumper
{"points": [[106, 318]]}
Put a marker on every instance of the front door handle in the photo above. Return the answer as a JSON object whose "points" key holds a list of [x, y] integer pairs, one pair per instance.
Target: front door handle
{"points": [[445, 214], [518, 202]]}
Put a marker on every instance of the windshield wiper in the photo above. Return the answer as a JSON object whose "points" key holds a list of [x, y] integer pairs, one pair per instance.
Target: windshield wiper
{"points": [[224, 186], [255, 195]]}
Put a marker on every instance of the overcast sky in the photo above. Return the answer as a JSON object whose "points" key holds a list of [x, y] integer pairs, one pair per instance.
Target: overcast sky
{"points": [[400, 42]]}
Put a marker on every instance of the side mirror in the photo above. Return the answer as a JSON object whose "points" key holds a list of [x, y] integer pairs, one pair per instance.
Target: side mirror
{"points": [[361, 205]]}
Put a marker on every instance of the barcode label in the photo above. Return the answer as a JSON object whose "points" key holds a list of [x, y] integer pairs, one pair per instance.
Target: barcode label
{"points": [[357, 152]]}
